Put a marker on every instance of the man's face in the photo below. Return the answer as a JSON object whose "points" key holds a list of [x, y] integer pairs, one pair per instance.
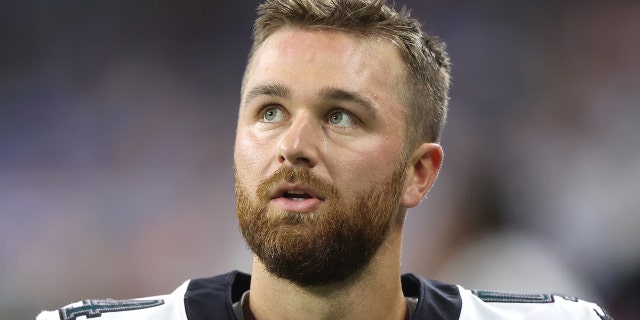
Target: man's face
{"points": [[319, 152]]}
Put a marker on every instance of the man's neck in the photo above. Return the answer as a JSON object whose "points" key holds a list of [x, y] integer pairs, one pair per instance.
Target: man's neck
{"points": [[375, 293]]}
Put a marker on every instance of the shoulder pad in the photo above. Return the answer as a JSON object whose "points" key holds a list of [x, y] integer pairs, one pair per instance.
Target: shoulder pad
{"points": [[169, 306]]}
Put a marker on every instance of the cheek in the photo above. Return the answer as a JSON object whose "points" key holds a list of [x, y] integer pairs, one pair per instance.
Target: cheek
{"points": [[368, 166], [249, 157]]}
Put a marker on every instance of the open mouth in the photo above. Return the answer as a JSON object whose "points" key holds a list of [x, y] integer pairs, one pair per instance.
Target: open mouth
{"points": [[297, 198], [296, 195]]}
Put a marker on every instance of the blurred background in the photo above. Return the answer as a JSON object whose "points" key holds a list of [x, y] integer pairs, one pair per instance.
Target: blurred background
{"points": [[117, 122]]}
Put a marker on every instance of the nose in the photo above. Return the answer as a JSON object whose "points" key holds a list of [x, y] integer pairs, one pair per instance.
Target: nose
{"points": [[298, 145]]}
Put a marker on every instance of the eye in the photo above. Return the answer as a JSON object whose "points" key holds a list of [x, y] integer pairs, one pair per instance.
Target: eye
{"points": [[342, 118], [272, 114]]}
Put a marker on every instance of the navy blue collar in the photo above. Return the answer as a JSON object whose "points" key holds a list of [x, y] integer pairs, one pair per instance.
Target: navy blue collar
{"points": [[212, 298]]}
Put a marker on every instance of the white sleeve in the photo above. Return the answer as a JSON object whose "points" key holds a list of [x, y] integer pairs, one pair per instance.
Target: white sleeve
{"points": [[478, 305], [167, 307], [48, 315]]}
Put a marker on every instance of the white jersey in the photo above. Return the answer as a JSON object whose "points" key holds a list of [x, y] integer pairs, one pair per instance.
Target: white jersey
{"points": [[214, 299], [477, 305]]}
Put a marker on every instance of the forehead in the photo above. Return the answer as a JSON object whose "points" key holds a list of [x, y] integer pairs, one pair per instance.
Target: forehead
{"points": [[305, 58]]}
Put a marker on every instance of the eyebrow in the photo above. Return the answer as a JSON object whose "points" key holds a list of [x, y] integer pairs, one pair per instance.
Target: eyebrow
{"points": [[347, 96], [329, 93], [271, 89]]}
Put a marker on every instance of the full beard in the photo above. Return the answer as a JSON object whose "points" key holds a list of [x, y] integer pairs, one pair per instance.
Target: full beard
{"points": [[321, 247]]}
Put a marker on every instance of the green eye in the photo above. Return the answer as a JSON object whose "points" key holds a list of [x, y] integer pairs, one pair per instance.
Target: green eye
{"points": [[336, 118], [272, 114], [341, 118]]}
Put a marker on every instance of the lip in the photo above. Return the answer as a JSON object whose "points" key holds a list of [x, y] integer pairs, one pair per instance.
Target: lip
{"points": [[305, 205], [295, 187]]}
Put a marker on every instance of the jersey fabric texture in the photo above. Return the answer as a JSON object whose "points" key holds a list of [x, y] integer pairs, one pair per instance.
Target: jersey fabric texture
{"points": [[213, 298]]}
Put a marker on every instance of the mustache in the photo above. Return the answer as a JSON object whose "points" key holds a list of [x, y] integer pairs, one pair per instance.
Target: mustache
{"points": [[299, 175]]}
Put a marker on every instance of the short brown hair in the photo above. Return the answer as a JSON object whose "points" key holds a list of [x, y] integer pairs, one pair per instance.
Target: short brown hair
{"points": [[427, 62]]}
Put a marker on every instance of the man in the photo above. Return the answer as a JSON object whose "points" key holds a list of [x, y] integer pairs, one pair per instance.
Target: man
{"points": [[341, 109]]}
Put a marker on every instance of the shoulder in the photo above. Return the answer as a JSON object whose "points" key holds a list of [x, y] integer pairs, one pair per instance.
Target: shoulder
{"points": [[168, 306], [478, 304], [206, 298], [437, 300]]}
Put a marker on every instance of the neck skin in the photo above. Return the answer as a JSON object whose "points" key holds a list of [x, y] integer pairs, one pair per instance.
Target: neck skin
{"points": [[375, 293]]}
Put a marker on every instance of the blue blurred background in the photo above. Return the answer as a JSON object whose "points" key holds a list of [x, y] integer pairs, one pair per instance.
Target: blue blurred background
{"points": [[117, 121]]}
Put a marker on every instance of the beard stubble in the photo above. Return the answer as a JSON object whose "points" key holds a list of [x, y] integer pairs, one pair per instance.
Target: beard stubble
{"points": [[324, 246]]}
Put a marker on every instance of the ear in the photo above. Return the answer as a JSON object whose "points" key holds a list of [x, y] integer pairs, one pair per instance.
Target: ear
{"points": [[422, 173]]}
